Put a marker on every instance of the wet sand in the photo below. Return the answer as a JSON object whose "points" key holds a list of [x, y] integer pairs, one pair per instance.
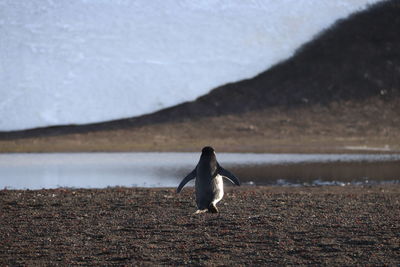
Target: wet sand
{"points": [[328, 225]]}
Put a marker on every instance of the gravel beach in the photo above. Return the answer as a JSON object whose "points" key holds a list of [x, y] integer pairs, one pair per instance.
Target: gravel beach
{"points": [[330, 225]]}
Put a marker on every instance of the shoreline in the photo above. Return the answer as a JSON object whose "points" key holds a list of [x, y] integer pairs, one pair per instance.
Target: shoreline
{"points": [[6, 147], [345, 127]]}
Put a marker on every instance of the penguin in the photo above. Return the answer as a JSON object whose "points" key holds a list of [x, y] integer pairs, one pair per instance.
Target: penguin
{"points": [[209, 186]]}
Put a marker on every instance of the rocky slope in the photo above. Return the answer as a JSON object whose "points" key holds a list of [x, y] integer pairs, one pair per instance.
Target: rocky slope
{"points": [[354, 63]]}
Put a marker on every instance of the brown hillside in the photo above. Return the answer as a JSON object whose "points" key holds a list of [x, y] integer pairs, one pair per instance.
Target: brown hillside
{"points": [[352, 67]]}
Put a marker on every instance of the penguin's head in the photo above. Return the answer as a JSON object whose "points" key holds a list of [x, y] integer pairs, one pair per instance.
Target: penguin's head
{"points": [[207, 150]]}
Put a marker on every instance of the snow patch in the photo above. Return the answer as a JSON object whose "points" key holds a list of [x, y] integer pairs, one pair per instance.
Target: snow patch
{"points": [[113, 59]]}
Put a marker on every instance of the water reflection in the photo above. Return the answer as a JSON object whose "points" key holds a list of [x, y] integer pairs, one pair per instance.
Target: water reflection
{"points": [[99, 170]]}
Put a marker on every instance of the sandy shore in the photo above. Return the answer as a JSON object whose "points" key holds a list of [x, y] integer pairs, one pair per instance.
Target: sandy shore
{"points": [[256, 226]]}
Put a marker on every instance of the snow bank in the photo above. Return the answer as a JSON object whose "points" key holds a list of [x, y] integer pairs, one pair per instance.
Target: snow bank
{"points": [[82, 61]]}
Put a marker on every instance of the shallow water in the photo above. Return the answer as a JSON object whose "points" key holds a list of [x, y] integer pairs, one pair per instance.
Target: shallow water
{"points": [[99, 170]]}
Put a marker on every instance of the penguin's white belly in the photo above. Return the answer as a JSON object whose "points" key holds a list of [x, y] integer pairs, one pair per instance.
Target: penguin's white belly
{"points": [[218, 189]]}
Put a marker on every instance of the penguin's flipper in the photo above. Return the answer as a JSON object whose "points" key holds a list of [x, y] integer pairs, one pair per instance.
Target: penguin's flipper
{"points": [[228, 175], [185, 180]]}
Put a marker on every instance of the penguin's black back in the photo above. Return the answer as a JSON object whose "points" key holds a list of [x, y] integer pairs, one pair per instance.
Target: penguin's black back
{"points": [[208, 161]]}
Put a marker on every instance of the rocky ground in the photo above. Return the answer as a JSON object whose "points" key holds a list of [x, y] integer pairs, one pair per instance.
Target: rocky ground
{"points": [[349, 225]]}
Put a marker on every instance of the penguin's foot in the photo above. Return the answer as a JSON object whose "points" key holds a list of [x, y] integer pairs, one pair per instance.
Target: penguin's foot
{"points": [[200, 211], [212, 208]]}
